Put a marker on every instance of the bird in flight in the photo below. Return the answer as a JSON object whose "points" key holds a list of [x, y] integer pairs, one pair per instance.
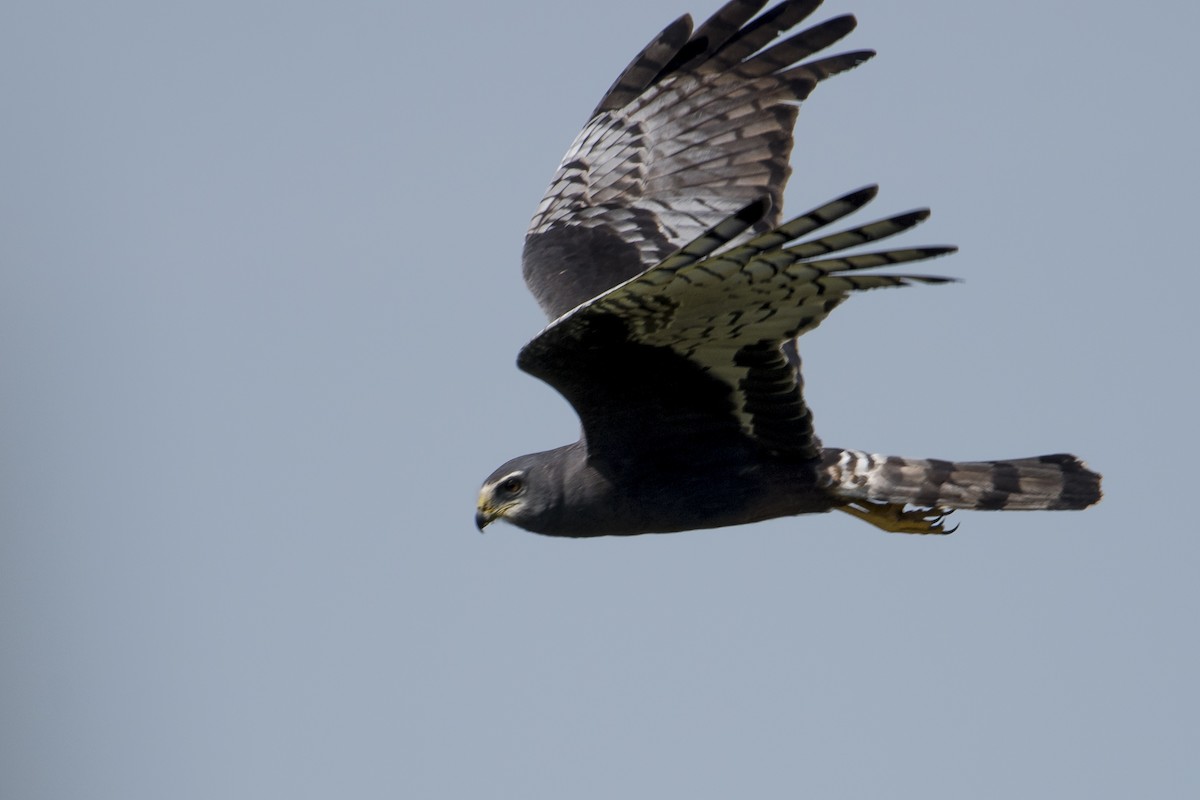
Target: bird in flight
{"points": [[676, 292]]}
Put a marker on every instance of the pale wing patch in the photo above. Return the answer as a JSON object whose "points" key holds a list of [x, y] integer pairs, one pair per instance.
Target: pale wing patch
{"points": [[731, 310]]}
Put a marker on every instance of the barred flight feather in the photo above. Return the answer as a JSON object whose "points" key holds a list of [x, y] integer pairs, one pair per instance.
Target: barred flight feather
{"points": [[762, 31], [695, 127]]}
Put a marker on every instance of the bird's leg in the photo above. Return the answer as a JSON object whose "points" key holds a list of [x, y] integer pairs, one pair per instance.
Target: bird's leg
{"points": [[893, 518]]}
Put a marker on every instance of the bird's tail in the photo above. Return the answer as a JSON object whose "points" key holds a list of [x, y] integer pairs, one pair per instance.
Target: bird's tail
{"points": [[873, 485]]}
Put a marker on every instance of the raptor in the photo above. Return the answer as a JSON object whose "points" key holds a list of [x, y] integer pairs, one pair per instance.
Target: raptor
{"points": [[676, 292]]}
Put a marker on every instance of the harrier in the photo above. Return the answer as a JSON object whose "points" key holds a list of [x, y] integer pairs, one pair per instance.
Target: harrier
{"points": [[676, 294]]}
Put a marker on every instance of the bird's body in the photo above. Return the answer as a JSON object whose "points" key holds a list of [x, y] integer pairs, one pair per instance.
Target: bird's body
{"points": [[676, 294], [665, 496]]}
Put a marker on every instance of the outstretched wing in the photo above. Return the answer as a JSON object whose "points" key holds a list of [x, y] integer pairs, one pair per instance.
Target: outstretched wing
{"points": [[691, 352], [696, 127]]}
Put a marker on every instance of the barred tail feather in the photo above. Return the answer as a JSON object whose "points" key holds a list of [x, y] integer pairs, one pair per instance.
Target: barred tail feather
{"points": [[1053, 482]]}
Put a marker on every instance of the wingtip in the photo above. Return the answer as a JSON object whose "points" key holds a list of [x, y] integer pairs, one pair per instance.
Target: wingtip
{"points": [[683, 21], [937, 251], [849, 21], [927, 280], [861, 196]]}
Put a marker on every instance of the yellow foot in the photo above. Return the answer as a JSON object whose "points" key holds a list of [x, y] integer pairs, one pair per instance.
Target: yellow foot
{"points": [[893, 518]]}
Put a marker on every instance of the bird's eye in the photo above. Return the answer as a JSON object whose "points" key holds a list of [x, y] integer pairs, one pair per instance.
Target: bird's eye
{"points": [[511, 485]]}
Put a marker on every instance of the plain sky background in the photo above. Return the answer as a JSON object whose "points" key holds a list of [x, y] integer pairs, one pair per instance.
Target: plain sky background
{"points": [[259, 307]]}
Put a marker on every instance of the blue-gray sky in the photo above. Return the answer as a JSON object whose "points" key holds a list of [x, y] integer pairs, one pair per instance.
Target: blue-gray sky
{"points": [[259, 305]]}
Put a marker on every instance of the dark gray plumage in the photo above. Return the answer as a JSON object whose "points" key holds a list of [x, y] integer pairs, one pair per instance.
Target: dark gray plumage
{"points": [[676, 294]]}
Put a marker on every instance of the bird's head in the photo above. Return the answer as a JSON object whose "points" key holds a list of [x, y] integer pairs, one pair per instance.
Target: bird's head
{"points": [[521, 492]]}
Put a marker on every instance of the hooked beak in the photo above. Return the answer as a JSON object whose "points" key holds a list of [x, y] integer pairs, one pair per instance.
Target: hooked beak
{"points": [[482, 519]]}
